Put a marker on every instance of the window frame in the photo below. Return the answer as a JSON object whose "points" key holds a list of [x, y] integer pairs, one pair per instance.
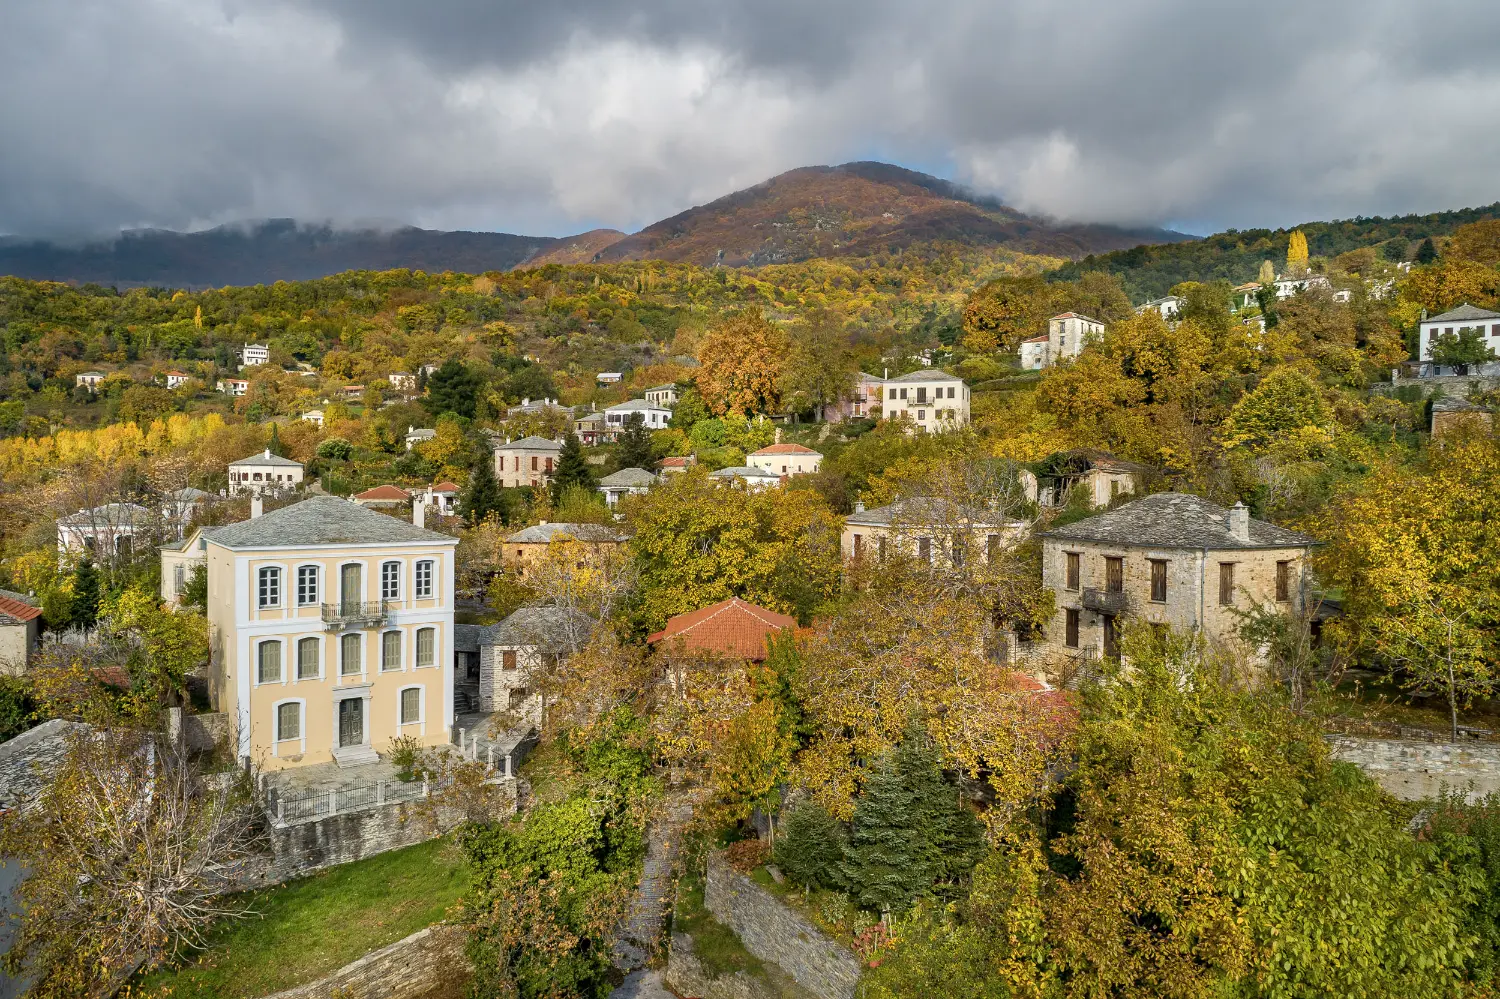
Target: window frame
{"points": [[425, 567], [431, 635], [1114, 574], [1283, 580], [385, 649], [260, 653], [268, 578], [317, 645], [390, 579], [1226, 584], [301, 737], [421, 719], [1072, 571], [1072, 627], [1158, 576], [358, 645], [315, 571], [510, 660]]}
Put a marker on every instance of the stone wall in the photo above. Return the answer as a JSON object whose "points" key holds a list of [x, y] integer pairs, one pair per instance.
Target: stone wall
{"points": [[1452, 385], [773, 932], [1413, 769], [29, 755], [686, 976], [406, 969]]}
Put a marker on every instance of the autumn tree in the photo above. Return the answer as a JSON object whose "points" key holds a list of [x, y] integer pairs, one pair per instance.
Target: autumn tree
{"points": [[1006, 311], [742, 358], [1267, 273], [1285, 403], [1296, 252], [820, 368], [1477, 241]]}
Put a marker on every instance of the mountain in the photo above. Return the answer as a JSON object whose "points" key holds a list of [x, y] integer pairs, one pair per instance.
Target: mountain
{"points": [[1235, 255], [579, 249], [275, 250], [858, 209]]}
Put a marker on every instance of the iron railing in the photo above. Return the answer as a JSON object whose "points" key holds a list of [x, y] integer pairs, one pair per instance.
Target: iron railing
{"points": [[1104, 601], [356, 614]]}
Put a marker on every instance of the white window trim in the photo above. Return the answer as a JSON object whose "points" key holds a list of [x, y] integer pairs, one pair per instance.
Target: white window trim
{"points": [[363, 664], [437, 653], [276, 741], [296, 667], [421, 721], [317, 569], [364, 582], [281, 594], [401, 636], [383, 565], [255, 662], [416, 579]]}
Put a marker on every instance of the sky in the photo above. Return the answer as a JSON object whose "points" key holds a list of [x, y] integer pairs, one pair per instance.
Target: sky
{"points": [[548, 118]]}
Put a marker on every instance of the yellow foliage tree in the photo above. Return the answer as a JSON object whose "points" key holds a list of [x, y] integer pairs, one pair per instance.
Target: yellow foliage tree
{"points": [[1296, 252], [742, 359]]}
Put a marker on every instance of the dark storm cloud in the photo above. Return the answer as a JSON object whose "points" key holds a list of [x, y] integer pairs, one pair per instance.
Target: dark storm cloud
{"points": [[550, 117]]}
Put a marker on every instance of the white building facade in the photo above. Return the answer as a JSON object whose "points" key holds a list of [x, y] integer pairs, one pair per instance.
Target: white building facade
{"points": [[933, 401], [264, 472]]}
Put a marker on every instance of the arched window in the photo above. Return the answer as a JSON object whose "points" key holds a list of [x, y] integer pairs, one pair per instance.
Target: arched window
{"points": [[307, 659], [426, 646]]}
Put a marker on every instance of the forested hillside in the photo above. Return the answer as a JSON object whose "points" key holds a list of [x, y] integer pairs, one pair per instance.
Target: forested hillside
{"points": [[1235, 256]]}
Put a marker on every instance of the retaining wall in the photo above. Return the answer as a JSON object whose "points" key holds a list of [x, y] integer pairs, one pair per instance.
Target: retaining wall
{"points": [[1412, 769], [773, 932], [406, 969]]}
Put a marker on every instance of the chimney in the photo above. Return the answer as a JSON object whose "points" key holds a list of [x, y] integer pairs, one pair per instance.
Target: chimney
{"points": [[1239, 522], [268, 452], [859, 506], [526, 400], [419, 512], [256, 506], [542, 524]]}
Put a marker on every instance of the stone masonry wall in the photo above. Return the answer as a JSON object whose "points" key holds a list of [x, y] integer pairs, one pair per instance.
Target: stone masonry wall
{"points": [[1412, 770], [406, 969], [773, 932], [29, 756]]}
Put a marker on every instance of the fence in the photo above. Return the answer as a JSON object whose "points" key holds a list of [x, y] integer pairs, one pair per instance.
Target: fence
{"points": [[334, 801]]}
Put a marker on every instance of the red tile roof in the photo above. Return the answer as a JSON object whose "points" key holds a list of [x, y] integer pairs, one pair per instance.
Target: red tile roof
{"points": [[18, 610], [1037, 339], [386, 492], [676, 462], [785, 449], [729, 628], [445, 487]]}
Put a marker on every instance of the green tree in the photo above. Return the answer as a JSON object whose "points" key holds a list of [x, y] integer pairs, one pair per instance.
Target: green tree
{"points": [[481, 494], [1427, 252], [690, 409], [810, 845], [820, 368], [335, 449], [274, 444], [634, 448], [572, 469], [1461, 349], [86, 594], [453, 388], [195, 587]]}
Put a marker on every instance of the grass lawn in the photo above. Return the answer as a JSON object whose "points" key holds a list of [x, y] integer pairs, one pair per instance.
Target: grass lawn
{"points": [[307, 928]]}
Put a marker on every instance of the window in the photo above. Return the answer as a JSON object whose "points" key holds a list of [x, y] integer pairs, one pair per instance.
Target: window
{"points": [[268, 662], [411, 705], [508, 659], [924, 549], [921, 414], [390, 580], [307, 659], [307, 585], [1070, 636], [950, 391], [1226, 584], [426, 646], [893, 393], [269, 587], [288, 721], [423, 582], [349, 655], [390, 650], [1114, 574], [518, 697], [179, 578], [1072, 560], [903, 393], [1159, 580], [1283, 580], [959, 553], [533, 463]]}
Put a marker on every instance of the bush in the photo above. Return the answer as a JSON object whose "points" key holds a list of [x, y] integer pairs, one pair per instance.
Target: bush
{"points": [[810, 845], [747, 854], [406, 753], [335, 449]]}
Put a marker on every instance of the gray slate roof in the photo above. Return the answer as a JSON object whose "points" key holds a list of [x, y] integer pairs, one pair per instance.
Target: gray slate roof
{"points": [[919, 510], [743, 472], [266, 458], [541, 534], [1463, 312], [626, 477], [926, 375], [1176, 520], [532, 443], [323, 520], [633, 406], [1454, 404], [467, 637], [554, 628], [108, 515], [188, 494]]}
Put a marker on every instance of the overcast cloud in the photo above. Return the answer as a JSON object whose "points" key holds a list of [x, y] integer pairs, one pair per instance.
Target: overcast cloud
{"points": [[550, 117]]}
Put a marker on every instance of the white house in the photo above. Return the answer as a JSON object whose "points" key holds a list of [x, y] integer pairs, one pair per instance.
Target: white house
{"points": [[233, 386], [1288, 285], [177, 379], [753, 479], [609, 377], [653, 416], [1168, 306], [254, 353], [416, 435], [264, 472], [625, 482], [932, 400], [402, 381], [664, 396], [785, 459], [1465, 317], [111, 528], [180, 506], [1066, 337], [442, 498], [90, 378], [314, 416]]}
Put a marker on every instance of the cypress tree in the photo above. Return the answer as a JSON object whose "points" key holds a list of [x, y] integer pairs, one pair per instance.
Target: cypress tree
{"points": [[634, 449], [571, 469], [1426, 253], [85, 606], [481, 494], [275, 445]]}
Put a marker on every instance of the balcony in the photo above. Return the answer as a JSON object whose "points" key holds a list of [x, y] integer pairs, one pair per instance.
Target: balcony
{"points": [[355, 614], [1112, 602]]}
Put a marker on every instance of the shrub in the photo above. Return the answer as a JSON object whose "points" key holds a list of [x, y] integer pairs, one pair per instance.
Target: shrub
{"points": [[747, 854], [810, 845], [406, 753], [335, 449]]}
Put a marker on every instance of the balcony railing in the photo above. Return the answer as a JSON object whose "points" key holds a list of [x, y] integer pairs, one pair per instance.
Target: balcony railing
{"points": [[1104, 601], [356, 614]]}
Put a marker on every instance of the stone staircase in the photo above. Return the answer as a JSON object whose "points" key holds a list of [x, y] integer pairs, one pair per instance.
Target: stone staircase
{"points": [[640, 934]]}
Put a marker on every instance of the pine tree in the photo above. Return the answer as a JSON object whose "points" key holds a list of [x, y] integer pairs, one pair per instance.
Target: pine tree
{"points": [[481, 494], [949, 836], [571, 469], [1427, 252], [809, 845], [883, 867], [85, 606], [634, 448], [275, 445]]}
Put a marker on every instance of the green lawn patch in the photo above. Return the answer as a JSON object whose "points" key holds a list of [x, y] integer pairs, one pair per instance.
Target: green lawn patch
{"points": [[308, 928]]}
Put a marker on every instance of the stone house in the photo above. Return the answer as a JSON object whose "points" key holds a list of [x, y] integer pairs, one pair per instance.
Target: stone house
{"points": [[592, 429], [1067, 334], [785, 459], [177, 379], [180, 560], [90, 379], [1172, 560], [927, 528], [1103, 476], [625, 482], [20, 627], [1465, 317], [529, 461], [264, 473], [526, 547], [233, 386], [933, 401], [402, 381], [1168, 307], [417, 435], [664, 396], [252, 354], [733, 628], [1450, 413], [512, 652]]}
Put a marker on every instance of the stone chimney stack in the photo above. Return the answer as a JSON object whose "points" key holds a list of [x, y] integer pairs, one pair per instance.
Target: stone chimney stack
{"points": [[1239, 522], [859, 506], [257, 506], [419, 512]]}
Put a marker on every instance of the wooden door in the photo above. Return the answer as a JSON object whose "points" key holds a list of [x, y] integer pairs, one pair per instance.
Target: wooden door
{"points": [[351, 588], [351, 721]]}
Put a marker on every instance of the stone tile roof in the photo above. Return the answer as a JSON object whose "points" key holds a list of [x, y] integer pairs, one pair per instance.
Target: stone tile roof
{"points": [[556, 629], [1463, 312], [323, 520], [743, 472], [467, 637], [918, 511], [732, 627], [267, 458], [1176, 520], [532, 443], [786, 449], [628, 477], [633, 406], [108, 515], [926, 375], [541, 534]]}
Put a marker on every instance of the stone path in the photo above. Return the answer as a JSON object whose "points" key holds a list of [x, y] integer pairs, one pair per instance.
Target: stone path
{"points": [[643, 984], [642, 928]]}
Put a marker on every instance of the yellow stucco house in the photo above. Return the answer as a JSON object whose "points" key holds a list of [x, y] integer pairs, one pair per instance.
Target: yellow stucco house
{"points": [[331, 629]]}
